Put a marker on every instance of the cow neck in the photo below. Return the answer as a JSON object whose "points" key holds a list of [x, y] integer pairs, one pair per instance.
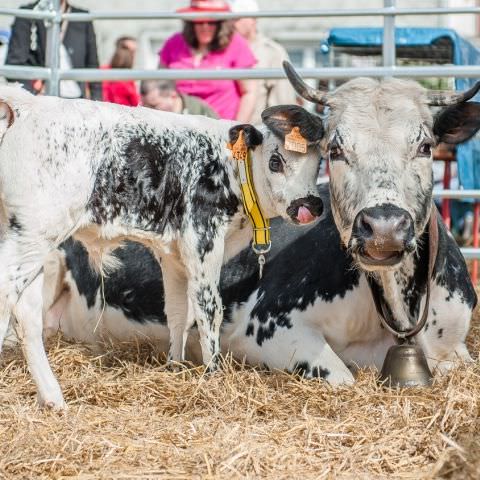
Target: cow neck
{"points": [[386, 312], [261, 225]]}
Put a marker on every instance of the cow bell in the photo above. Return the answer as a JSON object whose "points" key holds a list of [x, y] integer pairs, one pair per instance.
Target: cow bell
{"points": [[405, 366]]}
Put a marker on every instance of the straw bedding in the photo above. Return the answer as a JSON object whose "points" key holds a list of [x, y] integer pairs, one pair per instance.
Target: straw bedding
{"points": [[130, 418]]}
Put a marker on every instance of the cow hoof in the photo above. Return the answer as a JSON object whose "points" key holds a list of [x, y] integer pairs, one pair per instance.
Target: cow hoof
{"points": [[54, 405], [177, 367], [212, 367], [333, 377], [53, 401]]}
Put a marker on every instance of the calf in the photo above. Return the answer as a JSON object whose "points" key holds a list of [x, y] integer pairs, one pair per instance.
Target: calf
{"points": [[104, 174]]}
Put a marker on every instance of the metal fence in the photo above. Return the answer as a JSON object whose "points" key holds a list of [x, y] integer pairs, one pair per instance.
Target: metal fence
{"points": [[53, 17]]}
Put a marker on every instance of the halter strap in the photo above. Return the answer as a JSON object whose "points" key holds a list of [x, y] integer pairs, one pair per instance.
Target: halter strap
{"points": [[379, 300]]}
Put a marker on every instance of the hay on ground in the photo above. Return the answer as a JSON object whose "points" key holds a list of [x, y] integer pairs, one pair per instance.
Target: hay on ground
{"points": [[128, 417]]}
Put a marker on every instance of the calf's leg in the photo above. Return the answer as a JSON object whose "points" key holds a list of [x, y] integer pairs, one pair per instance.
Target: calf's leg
{"points": [[21, 294], [175, 291], [204, 301]]}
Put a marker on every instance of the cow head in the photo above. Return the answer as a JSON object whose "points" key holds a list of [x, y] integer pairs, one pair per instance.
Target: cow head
{"points": [[378, 140], [285, 180]]}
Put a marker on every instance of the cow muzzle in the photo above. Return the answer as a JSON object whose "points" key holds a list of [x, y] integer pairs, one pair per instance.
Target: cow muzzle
{"points": [[382, 235], [305, 210]]}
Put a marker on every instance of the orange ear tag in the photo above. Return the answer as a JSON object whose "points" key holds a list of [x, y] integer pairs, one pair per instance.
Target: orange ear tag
{"points": [[295, 142], [239, 148]]}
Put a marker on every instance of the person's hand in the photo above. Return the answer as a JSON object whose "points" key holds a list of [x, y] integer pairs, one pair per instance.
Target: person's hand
{"points": [[38, 87]]}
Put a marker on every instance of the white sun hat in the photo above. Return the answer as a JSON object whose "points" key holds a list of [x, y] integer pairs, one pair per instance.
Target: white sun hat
{"points": [[244, 6]]}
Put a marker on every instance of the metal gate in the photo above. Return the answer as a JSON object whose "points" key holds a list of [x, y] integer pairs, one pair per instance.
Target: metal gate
{"points": [[52, 15]]}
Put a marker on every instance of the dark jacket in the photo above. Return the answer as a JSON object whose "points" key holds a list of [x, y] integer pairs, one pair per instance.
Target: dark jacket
{"points": [[79, 41]]}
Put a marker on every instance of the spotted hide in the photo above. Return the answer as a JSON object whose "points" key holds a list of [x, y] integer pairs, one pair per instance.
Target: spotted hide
{"points": [[104, 174]]}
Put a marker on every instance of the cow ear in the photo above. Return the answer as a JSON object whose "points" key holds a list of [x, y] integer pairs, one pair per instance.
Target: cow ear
{"points": [[282, 118], [253, 137], [457, 123]]}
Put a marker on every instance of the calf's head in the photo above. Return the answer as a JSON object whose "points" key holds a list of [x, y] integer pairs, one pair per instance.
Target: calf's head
{"points": [[379, 138], [285, 180]]}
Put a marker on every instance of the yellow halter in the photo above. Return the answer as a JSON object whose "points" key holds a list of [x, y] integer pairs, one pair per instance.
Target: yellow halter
{"points": [[261, 226], [295, 142]]}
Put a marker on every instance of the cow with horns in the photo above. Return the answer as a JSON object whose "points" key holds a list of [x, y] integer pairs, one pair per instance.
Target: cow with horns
{"points": [[317, 307], [104, 173]]}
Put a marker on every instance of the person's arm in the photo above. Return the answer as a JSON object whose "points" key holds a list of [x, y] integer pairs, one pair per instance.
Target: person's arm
{"points": [[19, 47], [248, 92], [91, 61]]}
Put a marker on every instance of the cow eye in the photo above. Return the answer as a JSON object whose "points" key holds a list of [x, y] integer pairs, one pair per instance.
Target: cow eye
{"points": [[425, 149], [335, 152], [275, 164]]}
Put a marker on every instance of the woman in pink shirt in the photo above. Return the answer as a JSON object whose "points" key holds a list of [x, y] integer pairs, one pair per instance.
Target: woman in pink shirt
{"points": [[210, 44]]}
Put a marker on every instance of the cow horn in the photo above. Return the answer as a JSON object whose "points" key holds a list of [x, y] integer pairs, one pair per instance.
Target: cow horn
{"points": [[439, 98], [304, 90]]}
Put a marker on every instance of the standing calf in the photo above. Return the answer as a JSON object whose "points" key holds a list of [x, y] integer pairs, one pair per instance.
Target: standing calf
{"points": [[104, 174]]}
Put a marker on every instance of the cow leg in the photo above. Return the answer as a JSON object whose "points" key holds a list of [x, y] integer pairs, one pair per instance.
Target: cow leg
{"points": [[204, 301], [21, 294], [443, 337], [292, 346], [28, 312], [175, 288]]}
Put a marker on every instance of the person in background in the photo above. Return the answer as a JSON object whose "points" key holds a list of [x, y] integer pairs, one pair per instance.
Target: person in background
{"points": [[270, 54], [209, 44], [162, 95], [123, 92], [78, 49]]}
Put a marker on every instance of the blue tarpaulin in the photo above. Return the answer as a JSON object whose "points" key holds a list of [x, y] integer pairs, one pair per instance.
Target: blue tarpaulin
{"points": [[4, 36], [464, 53]]}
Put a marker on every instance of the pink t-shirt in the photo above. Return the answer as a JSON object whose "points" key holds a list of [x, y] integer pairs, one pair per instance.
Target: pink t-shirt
{"points": [[222, 95]]}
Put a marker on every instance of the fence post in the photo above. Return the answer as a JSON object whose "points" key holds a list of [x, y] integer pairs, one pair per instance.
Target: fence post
{"points": [[53, 48], [388, 49]]}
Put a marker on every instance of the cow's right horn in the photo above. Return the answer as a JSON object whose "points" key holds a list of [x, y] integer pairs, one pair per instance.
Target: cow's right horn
{"points": [[440, 98], [303, 89]]}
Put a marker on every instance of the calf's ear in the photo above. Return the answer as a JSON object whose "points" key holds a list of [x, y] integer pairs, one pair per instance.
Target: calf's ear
{"points": [[6, 114], [282, 119], [253, 137], [457, 123]]}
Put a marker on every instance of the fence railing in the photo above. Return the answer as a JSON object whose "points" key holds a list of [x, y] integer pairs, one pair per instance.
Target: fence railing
{"points": [[53, 17]]}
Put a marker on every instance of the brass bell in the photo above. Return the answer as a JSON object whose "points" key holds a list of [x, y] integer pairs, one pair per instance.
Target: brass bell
{"points": [[405, 366]]}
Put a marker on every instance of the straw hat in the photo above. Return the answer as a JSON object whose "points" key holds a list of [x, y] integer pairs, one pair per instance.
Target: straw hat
{"points": [[205, 6]]}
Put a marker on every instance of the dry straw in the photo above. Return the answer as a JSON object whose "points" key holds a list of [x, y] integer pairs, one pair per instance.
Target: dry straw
{"points": [[129, 418]]}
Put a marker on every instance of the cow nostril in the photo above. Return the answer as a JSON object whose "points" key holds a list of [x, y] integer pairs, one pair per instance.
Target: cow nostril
{"points": [[365, 226], [402, 224]]}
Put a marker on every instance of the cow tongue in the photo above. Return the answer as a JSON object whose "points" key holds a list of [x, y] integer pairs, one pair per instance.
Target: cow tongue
{"points": [[304, 215]]}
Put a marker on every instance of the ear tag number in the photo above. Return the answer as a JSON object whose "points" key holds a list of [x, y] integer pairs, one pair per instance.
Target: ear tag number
{"points": [[239, 148], [295, 141]]}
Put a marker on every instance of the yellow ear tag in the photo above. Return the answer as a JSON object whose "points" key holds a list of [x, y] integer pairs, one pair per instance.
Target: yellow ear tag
{"points": [[239, 148], [295, 142]]}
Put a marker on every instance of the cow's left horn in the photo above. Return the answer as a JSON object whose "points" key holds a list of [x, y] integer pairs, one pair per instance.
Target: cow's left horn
{"points": [[303, 89], [439, 98]]}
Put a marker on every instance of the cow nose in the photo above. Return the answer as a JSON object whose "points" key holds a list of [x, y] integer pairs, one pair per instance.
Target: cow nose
{"points": [[380, 230]]}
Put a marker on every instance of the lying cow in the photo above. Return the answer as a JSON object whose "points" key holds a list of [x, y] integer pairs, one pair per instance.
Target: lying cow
{"points": [[321, 321], [104, 173], [313, 309]]}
